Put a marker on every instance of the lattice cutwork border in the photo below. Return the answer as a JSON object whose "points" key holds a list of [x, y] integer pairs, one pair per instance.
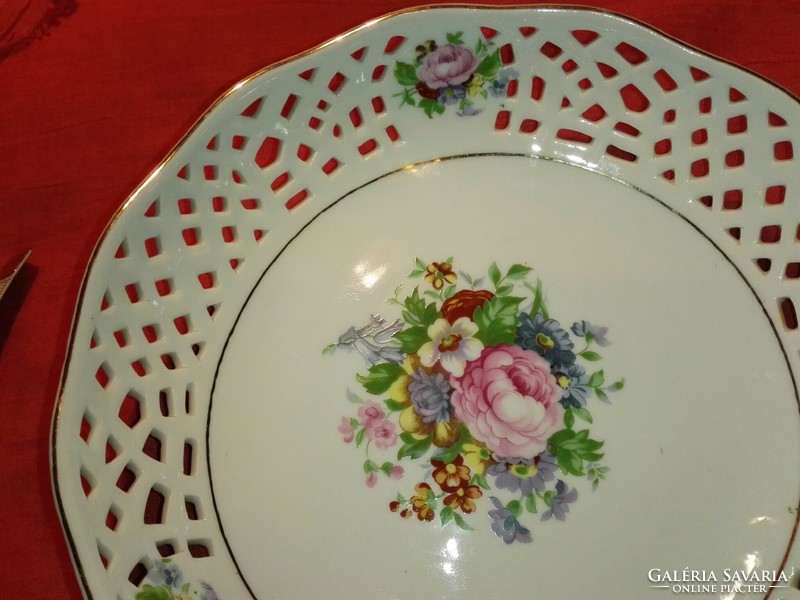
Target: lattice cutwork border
{"points": [[713, 142]]}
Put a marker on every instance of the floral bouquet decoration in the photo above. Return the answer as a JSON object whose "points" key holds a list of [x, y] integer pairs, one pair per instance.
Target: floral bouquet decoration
{"points": [[453, 74], [483, 390]]}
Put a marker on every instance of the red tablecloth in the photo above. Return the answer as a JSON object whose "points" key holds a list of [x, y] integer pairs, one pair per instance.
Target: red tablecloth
{"points": [[93, 95]]}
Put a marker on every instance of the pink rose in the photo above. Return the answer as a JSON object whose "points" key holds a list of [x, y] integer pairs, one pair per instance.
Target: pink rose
{"points": [[369, 413], [447, 65], [508, 399], [382, 433]]}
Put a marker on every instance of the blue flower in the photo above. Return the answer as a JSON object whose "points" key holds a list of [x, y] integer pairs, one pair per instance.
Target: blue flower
{"points": [[586, 329], [163, 572], [523, 475], [430, 394], [574, 382], [498, 87], [559, 504], [469, 109], [506, 526], [547, 339], [451, 94]]}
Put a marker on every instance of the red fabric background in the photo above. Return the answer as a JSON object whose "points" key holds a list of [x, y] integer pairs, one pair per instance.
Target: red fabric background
{"points": [[95, 97]]}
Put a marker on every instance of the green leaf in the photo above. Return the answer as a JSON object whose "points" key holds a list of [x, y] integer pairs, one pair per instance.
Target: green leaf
{"points": [[462, 524], [494, 274], [597, 379], [570, 463], [455, 38], [490, 65], [538, 299], [569, 418], [380, 377], [354, 423], [449, 291], [387, 467], [360, 437], [589, 355], [414, 449], [420, 263], [480, 481], [412, 338], [407, 438], [370, 466], [419, 312], [446, 515], [515, 507], [548, 497], [583, 414], [601, 394], [572, 448], [415, 273], [497, 320], [504, 290], [405, 74], [517, 271], [592, 456], [618, 385], [394, 405], [431, 107], [149, 592], [530, 504]]}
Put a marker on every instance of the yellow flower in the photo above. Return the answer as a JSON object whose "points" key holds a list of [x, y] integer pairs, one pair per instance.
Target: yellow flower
{"points": [[475, 85], [477, 457], [439, 273]]}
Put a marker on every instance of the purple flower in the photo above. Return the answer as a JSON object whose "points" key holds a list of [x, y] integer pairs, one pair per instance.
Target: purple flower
{"points": [[547, 339], [430, 394], [559, 504], [573, 379], [586, 329], [523, 475], [447, 65], [506, 526]]}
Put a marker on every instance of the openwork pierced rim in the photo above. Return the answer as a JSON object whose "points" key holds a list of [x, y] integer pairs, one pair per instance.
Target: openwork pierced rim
{"points": [[714, 143]]}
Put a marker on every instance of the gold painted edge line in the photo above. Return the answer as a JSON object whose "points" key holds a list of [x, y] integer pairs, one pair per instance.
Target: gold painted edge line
{"points": [[433, 161], [232, 90], [15, 265]]}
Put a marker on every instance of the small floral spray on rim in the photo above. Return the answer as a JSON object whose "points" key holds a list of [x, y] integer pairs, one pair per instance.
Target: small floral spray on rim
{"points": [[165, 582], [482, 390], [453, 74]]}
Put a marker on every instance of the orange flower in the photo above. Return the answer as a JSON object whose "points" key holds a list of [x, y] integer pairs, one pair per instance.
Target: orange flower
{"points": [[438, 273], [452, 475], [463, 498], [420, 503]]}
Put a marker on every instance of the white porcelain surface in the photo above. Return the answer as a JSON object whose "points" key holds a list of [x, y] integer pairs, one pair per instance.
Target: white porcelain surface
{"points": [[687, 439], [653, 191]]}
